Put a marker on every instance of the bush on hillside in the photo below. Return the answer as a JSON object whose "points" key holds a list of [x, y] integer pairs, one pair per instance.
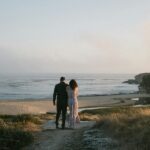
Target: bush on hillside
{"points": [[14, 139], [145, 84]]}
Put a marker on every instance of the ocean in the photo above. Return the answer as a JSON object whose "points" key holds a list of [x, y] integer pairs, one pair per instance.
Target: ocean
{"points": [[38, 86]]}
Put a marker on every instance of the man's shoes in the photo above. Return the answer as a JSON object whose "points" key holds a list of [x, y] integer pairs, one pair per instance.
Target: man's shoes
{"points": [[63, 127], [57, 127]]}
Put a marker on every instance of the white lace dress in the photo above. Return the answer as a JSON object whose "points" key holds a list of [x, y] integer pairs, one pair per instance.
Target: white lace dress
{"points": [[73, 107]]}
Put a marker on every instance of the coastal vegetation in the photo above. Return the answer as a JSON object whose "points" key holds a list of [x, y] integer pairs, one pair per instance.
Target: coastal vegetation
{"points": [[128, 125], [141, 79], [16, 131], [145, 84]]}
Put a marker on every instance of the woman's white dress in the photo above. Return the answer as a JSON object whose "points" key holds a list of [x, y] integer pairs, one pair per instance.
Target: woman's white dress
{"points": [[73, 107]]}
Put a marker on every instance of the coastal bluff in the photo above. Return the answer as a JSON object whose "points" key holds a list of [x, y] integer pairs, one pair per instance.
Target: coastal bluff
{"points": [[143, 80], [138, 78]]}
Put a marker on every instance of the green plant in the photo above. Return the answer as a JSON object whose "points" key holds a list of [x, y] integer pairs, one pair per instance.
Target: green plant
{"points": [[14, 139], [129, 125], [145, 84], [21, 118]]}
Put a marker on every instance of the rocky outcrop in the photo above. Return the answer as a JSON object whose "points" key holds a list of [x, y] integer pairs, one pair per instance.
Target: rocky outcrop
{"points": [[144, 86], [131, 81], [140, 77], [143, 101]]}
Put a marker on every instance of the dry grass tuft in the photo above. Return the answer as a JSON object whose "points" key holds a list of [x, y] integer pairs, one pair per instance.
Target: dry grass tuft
{"points": [[131, 126], [16, 131]]}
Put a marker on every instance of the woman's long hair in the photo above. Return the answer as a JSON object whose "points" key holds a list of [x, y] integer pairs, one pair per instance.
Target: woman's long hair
{"points": [[73, 84]]}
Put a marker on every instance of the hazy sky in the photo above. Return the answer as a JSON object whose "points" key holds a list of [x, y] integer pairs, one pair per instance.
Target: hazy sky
{"points": [[74, 36]]}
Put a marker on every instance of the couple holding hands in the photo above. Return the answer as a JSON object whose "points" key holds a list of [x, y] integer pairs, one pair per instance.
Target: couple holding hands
{"points": [[66, 95]]}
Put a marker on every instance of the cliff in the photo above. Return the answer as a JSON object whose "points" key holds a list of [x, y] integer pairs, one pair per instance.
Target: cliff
{"points": [[139, 77]]}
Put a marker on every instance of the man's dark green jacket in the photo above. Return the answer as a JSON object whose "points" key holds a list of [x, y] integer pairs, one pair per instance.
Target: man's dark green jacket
{"points": [[60, 93]]}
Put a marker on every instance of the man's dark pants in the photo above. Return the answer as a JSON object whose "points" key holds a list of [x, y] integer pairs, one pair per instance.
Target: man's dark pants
{"points": [[61, 108]]}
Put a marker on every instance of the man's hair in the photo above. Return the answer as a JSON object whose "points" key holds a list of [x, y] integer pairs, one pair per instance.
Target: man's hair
{"points": [[62, 79]]}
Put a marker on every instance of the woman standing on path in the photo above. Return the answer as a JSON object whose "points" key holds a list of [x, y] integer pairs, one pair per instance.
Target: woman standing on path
{"points": [[72, 91]]}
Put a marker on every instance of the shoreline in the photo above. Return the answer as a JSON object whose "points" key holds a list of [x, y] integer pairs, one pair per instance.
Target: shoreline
{"points": [[41, 106], [79, 97], [49, 98]]}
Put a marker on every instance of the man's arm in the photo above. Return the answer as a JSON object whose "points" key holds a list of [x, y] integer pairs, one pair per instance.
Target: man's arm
{"points": [[54, 95]]}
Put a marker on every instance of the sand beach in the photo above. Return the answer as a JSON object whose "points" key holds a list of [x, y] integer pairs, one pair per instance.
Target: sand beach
{"points": [[41, 106]]}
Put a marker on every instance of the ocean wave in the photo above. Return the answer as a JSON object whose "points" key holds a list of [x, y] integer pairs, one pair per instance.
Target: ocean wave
{"points": [[18, 84], [14, 94], [22, 87], [110, 79], [83, 79], [120, 86], [120, 93], [42, 80]]}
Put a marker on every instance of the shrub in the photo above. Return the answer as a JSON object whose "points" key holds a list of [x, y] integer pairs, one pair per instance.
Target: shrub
{"points": [[16, 130], [21, 118], [143, 100], [131, 126], [145, 84], [14, 139]]}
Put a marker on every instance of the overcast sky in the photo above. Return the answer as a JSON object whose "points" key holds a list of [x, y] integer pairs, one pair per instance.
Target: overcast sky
{"points": [[74, 36]]}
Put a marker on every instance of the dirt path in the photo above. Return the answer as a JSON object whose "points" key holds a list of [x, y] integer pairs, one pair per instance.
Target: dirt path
{"points": [[57, 139], [51, 140], [82, 137]]}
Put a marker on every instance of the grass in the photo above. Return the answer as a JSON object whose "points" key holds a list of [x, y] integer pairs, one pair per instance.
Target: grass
{"points": [[16, 131], [14, 139], [131, 126]]}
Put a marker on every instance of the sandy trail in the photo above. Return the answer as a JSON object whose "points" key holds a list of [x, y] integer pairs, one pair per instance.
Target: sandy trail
{"points": [[50, 138], [83, 137], [57, 139]]}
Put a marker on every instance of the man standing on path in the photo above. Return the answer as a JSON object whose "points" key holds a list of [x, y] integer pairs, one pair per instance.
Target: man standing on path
{"points": [[61, 94]]}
